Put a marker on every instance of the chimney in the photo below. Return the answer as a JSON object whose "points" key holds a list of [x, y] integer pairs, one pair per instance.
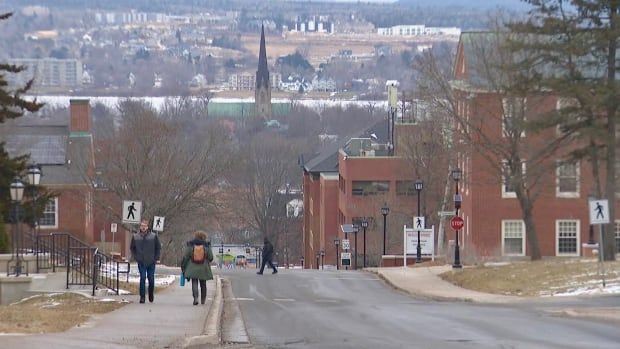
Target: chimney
{"points": [[79, 110]]}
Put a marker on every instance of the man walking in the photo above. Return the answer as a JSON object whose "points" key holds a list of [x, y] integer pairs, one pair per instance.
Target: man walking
{"points": [[267, 257], [146, 249]]}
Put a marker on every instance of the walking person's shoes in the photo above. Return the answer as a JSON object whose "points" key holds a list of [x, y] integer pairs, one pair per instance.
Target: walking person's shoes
{"points": [[195, 302], [142, 300], [259, 273], [151, 295], [275, 272]]}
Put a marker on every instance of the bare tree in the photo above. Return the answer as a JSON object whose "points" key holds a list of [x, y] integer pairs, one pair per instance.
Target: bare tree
{"points": [[508, 155]]}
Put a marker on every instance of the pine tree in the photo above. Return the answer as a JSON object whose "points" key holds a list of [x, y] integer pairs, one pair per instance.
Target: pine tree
{"points": [[573, 45], [12, 106]]}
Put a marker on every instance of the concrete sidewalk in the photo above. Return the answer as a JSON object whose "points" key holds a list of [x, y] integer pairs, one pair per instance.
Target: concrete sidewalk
{"points": [[425, 282], [166, 323]]}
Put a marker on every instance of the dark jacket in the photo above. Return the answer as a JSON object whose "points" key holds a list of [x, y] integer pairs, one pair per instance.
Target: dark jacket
{"points": [[267, 250], [194, 270], [146, 248]]}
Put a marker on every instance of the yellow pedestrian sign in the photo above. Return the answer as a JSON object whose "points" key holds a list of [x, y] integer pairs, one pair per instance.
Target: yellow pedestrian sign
{"points": [[132, 211], [599, 211]]}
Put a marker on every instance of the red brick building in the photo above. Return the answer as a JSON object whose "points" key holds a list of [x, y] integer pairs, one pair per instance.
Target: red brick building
{"points": [[493, 218], [64, 150], [347, 182]]}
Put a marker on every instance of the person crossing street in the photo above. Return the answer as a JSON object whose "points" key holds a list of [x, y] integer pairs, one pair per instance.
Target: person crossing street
{"points": [[267, 257]]}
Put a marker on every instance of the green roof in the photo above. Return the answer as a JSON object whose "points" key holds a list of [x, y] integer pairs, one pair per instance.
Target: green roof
{"points": [[244, 109]]}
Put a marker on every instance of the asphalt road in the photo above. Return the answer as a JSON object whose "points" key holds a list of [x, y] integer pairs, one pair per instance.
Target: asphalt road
{"points": [[346, 309]]}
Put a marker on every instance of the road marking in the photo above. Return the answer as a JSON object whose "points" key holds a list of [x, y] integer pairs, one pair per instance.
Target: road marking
{"points": [[326, 301], [243, 299], [347, 278], [283, 300]]}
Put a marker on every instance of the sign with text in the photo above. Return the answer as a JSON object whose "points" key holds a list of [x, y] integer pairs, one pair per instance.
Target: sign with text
{"points": [[457, 223], [345, 258], [346, 244], [427, 241]]}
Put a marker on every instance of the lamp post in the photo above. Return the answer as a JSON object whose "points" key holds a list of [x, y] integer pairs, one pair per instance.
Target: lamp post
{"points": [[456, 175], [364, 225], [221, 253], [17, 194], [318, 264], [34, 178], [337, 243], [322, 253], [385, 210], [418, 187], [355, 232]]}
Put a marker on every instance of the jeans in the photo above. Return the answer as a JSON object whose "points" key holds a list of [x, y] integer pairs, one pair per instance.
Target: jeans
{"points": [[268, 261], [203, 290], [146, 271]]}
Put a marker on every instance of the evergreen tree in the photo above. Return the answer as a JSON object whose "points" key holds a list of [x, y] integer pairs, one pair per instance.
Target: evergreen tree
{"points": [[572, 45], [12, 106]]}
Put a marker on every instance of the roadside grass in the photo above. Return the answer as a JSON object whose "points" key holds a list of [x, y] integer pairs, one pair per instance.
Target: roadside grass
{"points": [[539, 278], [52, 313]]}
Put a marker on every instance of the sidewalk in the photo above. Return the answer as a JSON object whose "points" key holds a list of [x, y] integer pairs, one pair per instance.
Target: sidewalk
{"points": [[425, 282], [165, 323]]}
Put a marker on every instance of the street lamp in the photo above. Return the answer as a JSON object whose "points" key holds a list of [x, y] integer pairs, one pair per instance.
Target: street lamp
{"points": [[34, 178], [364, 225], [322, 253], [17, 194], [418, 187], [456, 175], [337, 243], [385, 210], [318, 264]]}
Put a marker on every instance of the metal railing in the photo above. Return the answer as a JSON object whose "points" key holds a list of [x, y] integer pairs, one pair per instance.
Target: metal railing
{"points": [[85, 265]]}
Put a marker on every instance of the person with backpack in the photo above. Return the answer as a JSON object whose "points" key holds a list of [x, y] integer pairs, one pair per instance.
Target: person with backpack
{"points": [[267, 257], [196, 265], [146, 249]]}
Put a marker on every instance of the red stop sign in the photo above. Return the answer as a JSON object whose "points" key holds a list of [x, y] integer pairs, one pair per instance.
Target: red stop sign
{"points": [[457, 223]]}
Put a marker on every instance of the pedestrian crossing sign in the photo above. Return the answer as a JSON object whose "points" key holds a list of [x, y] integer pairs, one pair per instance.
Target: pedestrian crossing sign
{"points": [[131, 211], [599, 211]]}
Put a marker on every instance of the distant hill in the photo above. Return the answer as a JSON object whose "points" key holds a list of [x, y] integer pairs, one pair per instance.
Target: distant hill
{"points": [[482, 4]]}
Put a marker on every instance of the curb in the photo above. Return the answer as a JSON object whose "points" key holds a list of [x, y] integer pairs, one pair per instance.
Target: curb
{"points": [[212, 333], [420, 295]]}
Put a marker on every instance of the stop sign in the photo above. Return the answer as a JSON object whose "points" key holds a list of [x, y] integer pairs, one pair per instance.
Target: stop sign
{"points": [[457, 223]]}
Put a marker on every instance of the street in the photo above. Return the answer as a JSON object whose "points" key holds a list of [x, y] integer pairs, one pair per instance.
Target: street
{"points": [[345, 309]]}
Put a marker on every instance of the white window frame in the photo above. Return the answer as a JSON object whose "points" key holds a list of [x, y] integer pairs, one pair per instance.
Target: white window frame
{"points": [[523, 237], [571, 194], [577, 237], [55, 226], [617, 236], [509, 194], [508, 111]]}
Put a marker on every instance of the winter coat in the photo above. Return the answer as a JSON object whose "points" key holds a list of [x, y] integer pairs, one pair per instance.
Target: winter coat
{"points": [[267, 251], [194, 270], [146, 248]]}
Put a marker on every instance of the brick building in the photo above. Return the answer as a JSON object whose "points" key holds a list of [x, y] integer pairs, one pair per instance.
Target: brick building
{"points": [[494, 223], [65, 152]]}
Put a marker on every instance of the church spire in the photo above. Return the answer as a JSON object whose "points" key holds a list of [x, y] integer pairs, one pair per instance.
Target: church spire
{"points": [[262, 74]]}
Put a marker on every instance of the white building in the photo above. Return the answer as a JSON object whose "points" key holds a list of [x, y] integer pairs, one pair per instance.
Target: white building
{"points": [[418, 30], [247, 81], [48, 72]]}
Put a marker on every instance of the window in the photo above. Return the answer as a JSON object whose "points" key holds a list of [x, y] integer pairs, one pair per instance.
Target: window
{"points": [[49, 219], [567, 237], [617, 236], [513, 115], [406, 188], [567, 179], [513, 238], [364, 188], [508, 188]]}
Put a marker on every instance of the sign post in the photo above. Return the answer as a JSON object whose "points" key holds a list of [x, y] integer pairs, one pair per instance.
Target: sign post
{"points": [[599, 214], [113, 228]]}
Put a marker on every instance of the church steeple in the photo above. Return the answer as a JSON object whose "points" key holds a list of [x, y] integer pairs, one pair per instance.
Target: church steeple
{"points": [[262, 74], [262, 93]]}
